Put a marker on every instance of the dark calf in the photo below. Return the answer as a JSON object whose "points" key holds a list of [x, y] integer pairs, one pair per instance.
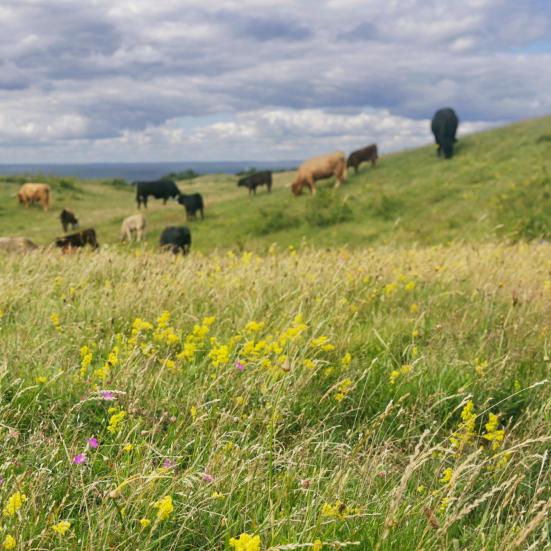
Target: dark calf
{"points": [[176, 239], [251, 182], [78, 240], [444, 127], [192, 203], [68, 218], [356, 158]]}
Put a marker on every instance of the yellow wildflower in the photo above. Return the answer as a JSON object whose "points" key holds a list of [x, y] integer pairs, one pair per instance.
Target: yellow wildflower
{"points": [[309, 364], [421, 489], [342, 389], [9, 542], [145, 522], [164, 507], [128, 447], [61, 527], [493, 434], [414, 308], [337, 510], [465, 432], [193, 412], [480, 367], [347, 358], [55, 322], [317, 545], [446, 476], [219, 355], [15, 502], [254, 326], [115, 421], [217, 495], [245, 542], [394, 374], [410, 286], [41, 380], [163, 320]]}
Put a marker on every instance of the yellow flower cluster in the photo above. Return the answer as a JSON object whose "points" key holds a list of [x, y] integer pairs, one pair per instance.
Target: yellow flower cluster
{"points": [[254, 326], [62, 527], [338, 510], [116, 420], [493, 434], [55, 321], [86, 357], [323, 343], [104, 371], [220, 355], [446, 476], [164, 507], [342, 389], [395, 374], [15, 502], [245, 542], [465, 433], [9, 542]]}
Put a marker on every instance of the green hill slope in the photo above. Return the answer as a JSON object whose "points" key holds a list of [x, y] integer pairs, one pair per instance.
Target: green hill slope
{"points": [[497, 185]]}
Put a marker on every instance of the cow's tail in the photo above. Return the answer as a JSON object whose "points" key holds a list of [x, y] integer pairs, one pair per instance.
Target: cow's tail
{"points": [[46, 198]]}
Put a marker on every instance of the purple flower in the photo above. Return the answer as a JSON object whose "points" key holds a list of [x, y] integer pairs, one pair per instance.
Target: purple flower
{"points": [[208, 478], [167, 463], [107, 395], [239, 365], [79, 459], [93, 442]]}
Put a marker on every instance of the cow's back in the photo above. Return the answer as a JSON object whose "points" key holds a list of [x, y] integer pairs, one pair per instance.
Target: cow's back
{"points": [[323, 165], [16, 244]]}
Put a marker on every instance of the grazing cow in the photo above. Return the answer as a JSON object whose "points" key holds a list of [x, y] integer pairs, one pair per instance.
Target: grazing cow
{"points": [[68, 218], [317, 168], [133, 224], [363, 155], [192, 204], [257, 179], [16, 244], [31, 192], [176, 239], [78, 240], [444, 126], [160, 189]]}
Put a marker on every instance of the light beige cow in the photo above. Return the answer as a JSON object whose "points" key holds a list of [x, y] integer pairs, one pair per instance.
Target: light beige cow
{"points": [[32, 192], [133, 224], [16, 244], [318, 168]]}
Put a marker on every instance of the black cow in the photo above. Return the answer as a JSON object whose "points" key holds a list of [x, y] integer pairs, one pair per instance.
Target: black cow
{"points": [[68, 218], [78, 240], [176, 239], [356, 158], [160, 189], [257, 179], [444, 126], [192, 204]]}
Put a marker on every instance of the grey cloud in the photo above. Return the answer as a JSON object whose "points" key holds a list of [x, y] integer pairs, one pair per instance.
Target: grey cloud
{"points": [[360, 33]]}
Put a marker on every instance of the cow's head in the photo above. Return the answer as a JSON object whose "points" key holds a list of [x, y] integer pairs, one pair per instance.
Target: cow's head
{"points": [[296, 188], [241, 182], [447, 148]]}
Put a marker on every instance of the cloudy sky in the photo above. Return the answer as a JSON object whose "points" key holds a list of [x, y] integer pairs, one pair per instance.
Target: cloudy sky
{"points": [[159, 80]]}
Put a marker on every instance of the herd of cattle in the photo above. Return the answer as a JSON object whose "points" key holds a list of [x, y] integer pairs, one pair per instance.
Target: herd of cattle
{"points": [[178, 238]]}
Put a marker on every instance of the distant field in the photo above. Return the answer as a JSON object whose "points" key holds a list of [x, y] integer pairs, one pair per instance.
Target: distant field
{"points": [[497, 186]]}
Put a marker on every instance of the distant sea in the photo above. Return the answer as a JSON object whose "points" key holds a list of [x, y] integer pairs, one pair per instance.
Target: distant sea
{"points": [[139, 171]]}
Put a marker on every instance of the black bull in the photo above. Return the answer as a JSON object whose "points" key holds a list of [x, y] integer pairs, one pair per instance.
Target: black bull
{"points": [[160, 189], [444, 127], [258, 179]]}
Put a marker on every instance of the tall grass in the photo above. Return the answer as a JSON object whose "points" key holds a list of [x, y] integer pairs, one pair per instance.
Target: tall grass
{"points": [[310, 398]]}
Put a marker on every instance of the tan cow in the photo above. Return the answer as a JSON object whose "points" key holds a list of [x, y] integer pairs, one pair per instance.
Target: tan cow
{"points": [[31, 192], [16, 244], [317, 168], [134, 223]]}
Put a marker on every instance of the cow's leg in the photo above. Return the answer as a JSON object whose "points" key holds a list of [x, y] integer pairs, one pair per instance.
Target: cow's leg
{"points": [[355, 169], [202, 214], [373, 162], [165, 200]]}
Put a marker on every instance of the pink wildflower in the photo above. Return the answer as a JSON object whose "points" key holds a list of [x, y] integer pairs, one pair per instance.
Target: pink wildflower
{"points": [[239, 365], [93, 442], [168, 464], [107, 395], [79, 459], [208, 478]]}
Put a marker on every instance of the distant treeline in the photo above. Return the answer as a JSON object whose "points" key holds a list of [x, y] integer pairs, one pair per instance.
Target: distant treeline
{"points": [[179, 176]]}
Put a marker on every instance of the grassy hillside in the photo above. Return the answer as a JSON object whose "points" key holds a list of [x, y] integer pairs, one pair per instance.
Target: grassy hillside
{"points": [[498, 185], [315, 400]]}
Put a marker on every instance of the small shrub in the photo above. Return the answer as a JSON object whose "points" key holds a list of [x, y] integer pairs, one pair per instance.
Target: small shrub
{"points": [[117, 183], [179, 176], [385, 206], [274, 220], [328, 207]]}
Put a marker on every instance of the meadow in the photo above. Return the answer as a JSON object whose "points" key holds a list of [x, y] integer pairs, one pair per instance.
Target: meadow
{"points": [[364, 377]]}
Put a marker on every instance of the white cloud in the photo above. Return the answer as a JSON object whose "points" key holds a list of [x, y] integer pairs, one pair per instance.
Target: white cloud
{"points": [[98, 78]]}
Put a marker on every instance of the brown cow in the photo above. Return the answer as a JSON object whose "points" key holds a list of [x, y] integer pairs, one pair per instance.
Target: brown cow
{"points": [[317, 168], [31, 192], [16, 244], [356, 158]]}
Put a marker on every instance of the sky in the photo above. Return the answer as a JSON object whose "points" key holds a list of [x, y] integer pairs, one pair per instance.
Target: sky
{"points": [[187, 80]]}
